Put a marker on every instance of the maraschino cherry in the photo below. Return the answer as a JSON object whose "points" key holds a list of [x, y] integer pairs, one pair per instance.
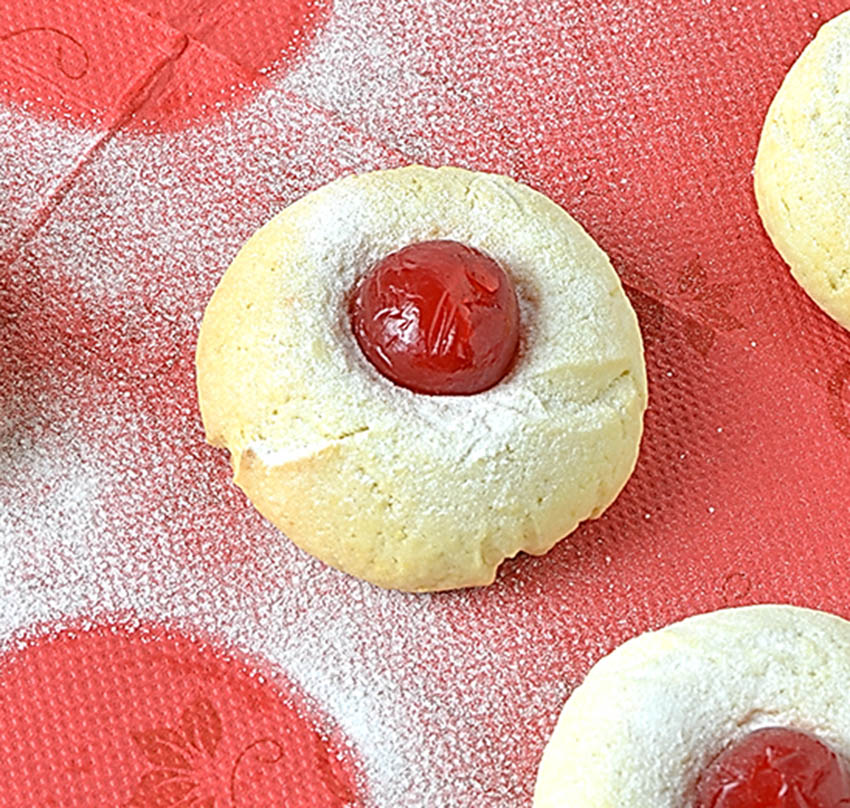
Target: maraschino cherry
{"points": [[438, 317], [776, 768]]}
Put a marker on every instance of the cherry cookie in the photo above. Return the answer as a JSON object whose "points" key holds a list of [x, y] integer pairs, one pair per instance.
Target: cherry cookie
{"points": [[739, 708], [421, 372]]}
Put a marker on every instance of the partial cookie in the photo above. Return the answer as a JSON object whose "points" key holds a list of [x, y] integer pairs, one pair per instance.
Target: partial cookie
{"points": [[404, 489], [654, 720], [802, 170]]}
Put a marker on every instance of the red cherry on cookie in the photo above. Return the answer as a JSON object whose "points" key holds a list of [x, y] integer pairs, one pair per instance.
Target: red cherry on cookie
{"points": [[437, 317], [776, 768]]}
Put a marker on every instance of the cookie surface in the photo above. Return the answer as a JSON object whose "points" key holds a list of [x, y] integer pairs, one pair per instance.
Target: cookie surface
{"points": [[650, 716], [413, 491], [802, 169]]}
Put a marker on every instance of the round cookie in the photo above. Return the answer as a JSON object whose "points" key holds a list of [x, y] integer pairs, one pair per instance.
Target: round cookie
{"points": [[653, 714], [412, 491], [802, 169]]}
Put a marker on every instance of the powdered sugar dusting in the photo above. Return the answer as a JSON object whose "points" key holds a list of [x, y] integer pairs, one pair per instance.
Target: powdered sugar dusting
{"points": [[110, 503], [113, 506], [138, 533], [43, 154]]}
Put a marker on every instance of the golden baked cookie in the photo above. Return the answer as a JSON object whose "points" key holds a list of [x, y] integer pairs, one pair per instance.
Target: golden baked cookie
{"points": [[802, 169], [409, 490], [696, 713]]}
